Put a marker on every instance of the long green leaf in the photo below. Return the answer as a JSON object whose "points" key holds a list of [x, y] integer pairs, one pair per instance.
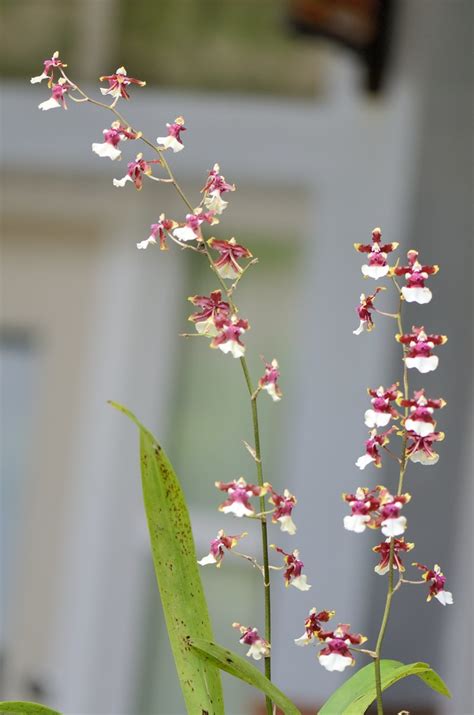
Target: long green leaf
{"points": [[358, 693], [179, 581], [17, 708], [242, 669]]}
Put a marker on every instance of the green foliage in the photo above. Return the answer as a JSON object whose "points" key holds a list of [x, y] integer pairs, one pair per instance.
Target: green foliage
{"points": [[179, 582], [242, 669], [18, 708], [358, 693]]}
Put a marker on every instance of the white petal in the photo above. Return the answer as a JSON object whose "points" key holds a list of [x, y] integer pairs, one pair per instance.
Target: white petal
{"points": [[185, 233], [106, 150], [375, 272], [50, 103], [363, 461], [360, 329], [170, 142], [287, 524], [113, 92], [420, 427], [335, 661], [237, 509], [121, 182], [394, 527], [272, 391], [356, 522], [421, 458], [445, 598], [381, 570], [257, 650], [423, 364], [206, 327], [209, 559], [146, 242], [376, 419], [233, 347], [417, 295], [213, 202], [39, 78], [300, 583], [228, 271], [303, 640]]}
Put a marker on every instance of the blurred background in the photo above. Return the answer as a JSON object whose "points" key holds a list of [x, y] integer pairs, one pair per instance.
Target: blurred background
{"points": [[332, 117]]}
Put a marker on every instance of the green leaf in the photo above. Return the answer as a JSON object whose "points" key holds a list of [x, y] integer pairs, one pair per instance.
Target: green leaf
{"points": [[242, 669], [17, 708], [358, 693], [179, 581]]}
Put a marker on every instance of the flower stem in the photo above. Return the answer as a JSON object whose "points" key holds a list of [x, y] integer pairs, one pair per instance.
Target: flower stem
{"points": [[253, 395], [266, 567], [391, 590]]}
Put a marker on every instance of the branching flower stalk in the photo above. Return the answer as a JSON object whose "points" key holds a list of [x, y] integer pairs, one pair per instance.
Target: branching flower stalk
{"points": [[417, 426], [217, 319]]}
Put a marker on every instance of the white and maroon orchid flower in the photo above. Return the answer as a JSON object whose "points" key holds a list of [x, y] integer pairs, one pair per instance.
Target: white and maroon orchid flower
{"points": [[118, 83], [377, 266], [364, 504], [389, 513], [113, 137], [48, 71], [284, 505], [219, 546], [399, 545], [294, 567], [135, 172], [420, 449], [313, 627], [372, 445], [228, 337], [215, 186], [438, 580], [158, 229], [420, 419], [173, 139], [269, 381], [415, 274], [230, 251], [336, 655], [382, 411], [239, 494], [214, 313], [259, 647], [58, 96], [364, 309], [420, 345], [192, 226]]}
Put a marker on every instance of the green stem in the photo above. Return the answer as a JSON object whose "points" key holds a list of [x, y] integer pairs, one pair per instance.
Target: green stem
{"points": [[266, 567], [390, 591], [248, 381]]}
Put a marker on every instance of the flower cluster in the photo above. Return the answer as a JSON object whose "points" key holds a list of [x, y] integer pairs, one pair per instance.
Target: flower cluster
{"points": [[415, 422], [376, 508], [336, 654]]}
